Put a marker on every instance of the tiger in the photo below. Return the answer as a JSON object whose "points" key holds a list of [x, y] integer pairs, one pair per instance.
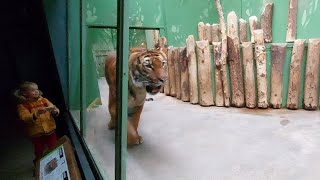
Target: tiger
{"points": [[147, 72]]}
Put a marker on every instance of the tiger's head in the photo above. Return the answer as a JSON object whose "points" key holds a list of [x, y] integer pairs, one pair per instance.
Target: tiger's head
{"points": [[148, 68]]}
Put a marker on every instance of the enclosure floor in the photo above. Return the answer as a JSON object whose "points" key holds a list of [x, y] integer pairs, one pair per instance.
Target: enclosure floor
{"points": [[189, 142]]}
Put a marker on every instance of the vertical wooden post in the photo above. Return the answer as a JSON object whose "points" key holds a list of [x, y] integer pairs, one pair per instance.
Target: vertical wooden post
{"points": [[207, 33], [232, 24], [237, 91], [266, 22], [164, 48], [218, 76], [243, 31], [192, 68], [253, 24], [250, 85], [292, 21], [223, 58], [312, 75], [278, 56], [177, 73], [172, 71], [295, 74], [261, 58], [156, 38], [205, 73], [185, 93], [215, 33], [201, 27], [163, 44]]}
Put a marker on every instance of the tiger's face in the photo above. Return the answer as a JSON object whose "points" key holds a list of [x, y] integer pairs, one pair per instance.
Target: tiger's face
{"points": [[150, 70]]}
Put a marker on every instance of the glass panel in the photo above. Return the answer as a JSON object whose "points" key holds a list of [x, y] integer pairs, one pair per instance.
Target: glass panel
{"points": [[74, 59], [99, 138]]}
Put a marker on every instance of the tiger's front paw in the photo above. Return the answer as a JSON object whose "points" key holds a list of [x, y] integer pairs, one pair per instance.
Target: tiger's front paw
{"points": [[111, 125], [136, 141], [140, 140]]}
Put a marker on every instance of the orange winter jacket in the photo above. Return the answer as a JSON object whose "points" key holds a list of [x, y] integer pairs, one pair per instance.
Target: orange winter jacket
{"points": [[44, 124]]}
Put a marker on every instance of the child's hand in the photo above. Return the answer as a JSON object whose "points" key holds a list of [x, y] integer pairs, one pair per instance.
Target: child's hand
{"points": [[55, 111], [38, 112], [41, 111]]}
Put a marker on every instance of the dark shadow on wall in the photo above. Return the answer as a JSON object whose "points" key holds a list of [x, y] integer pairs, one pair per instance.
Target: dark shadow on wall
{"points": [[26, 54]]}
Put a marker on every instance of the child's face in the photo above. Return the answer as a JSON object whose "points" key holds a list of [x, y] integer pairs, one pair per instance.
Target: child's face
{"points": [[32, 92]]}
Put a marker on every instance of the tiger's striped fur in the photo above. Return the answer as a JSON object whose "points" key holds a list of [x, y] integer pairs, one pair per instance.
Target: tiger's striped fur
{"points": [[147, 73]]}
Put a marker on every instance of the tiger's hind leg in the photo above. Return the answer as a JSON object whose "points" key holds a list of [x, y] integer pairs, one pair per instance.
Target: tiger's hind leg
{"points": [[112, 109]]}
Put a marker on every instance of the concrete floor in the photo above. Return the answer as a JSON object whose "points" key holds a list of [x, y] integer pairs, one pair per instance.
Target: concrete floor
{"points": [[190, 142]]}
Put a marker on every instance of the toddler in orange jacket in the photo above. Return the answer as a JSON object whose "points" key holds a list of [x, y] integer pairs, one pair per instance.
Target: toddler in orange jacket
{"points": [[37, 114]]}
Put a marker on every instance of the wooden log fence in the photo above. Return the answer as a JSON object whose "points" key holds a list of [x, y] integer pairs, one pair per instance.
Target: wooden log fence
{"points": [[261, 63], [205, 73], [250, 85], [278, 54], [311, 88], [185, 93], [295, 74], [192, 68], [266, 22]]}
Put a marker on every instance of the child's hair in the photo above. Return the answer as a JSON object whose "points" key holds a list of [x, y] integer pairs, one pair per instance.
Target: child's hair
{"points": [[23, 87]]}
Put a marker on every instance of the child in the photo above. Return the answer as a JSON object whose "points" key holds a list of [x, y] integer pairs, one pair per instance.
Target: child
{"points": [[37, 114]]}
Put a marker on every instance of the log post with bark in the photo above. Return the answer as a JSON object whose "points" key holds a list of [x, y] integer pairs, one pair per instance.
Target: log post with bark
{"points": [[192, 68], [172, 71], [201, 27], [163, 45], [278, 56], [177, 72], [261, 63], [266, 22], [215, 33], [156, 37], [205, 73], [234, 61], [185, 93], [222, 62], [232, 24], [218, 76], [311, 88], [237, 89], [208, 33], [253, 24], [292, 21], [295, 74], [250, 85], [243, 31]]}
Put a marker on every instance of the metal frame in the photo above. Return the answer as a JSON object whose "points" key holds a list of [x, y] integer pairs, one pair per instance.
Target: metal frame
{"points": [[83, 100], [122, 89], [122, 85]]}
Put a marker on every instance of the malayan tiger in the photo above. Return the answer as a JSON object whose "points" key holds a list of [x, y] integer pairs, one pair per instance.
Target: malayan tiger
{"points": [[147, 72]]}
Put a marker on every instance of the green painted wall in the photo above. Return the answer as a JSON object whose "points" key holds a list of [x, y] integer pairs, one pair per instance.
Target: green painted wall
{"points": [[308, 11], [182, 18], [143, 13], [179, 18]]}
